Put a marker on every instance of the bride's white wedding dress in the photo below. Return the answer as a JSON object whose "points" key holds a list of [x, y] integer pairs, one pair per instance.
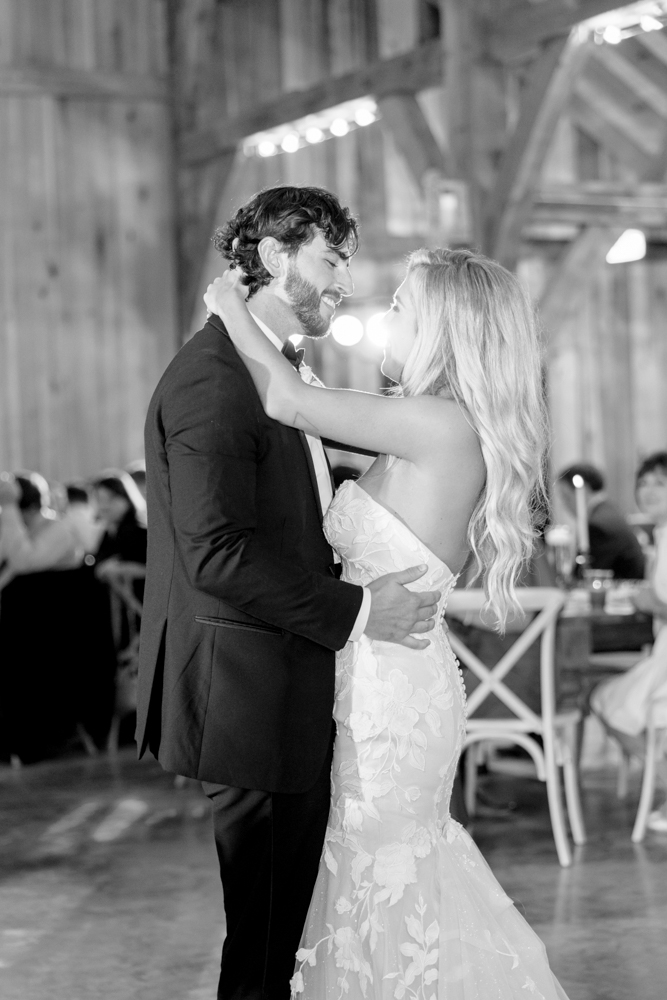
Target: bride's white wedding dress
{"points": [[405, 905]]}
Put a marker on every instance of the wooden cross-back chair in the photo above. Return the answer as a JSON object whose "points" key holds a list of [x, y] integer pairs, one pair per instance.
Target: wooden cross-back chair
{"points": [[126, 609], [558, 730]]}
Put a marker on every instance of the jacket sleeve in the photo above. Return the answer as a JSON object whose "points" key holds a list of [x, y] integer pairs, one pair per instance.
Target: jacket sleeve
{"points": [[212, 441]]}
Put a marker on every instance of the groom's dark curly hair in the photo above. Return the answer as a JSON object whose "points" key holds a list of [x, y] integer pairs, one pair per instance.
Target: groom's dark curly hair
{"points": [[293, 216]]}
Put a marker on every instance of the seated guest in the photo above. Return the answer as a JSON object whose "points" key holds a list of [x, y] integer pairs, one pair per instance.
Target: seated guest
{"points": [[613, 543], [122, 510], [623, 702], [38, 610], [81, 516], [32, 538], [137, 471]]}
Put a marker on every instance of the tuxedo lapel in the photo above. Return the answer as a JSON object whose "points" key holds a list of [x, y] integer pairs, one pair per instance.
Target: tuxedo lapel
{"points": [[313, 476], [216, 322]]}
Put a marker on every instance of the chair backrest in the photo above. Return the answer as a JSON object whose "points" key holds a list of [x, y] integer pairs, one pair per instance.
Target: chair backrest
{"points": [[545, 603], [124, 600]]}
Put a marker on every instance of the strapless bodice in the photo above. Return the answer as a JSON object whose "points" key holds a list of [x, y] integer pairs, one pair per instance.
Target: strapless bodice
{"points": [[372, 541]]}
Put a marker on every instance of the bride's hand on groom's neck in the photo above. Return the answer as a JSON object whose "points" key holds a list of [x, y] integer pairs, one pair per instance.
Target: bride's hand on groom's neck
{"points": [[398, 614]]}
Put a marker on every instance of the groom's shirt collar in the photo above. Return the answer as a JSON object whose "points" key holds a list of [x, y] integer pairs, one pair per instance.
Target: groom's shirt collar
{"points": [[276, 341]]}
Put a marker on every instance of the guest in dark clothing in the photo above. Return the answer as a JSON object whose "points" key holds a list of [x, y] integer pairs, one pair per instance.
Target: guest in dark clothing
{"points": [[123, 510], [613, 543]]}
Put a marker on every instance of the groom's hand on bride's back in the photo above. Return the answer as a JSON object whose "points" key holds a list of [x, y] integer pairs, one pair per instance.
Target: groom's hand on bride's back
{"points": [[398, 614]]}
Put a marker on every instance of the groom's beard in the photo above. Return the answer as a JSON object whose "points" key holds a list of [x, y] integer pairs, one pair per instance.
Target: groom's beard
{"points": [[306, 302]]}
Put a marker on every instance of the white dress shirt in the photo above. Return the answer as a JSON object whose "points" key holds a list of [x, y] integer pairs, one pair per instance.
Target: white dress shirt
{"points": [[325, 490]]}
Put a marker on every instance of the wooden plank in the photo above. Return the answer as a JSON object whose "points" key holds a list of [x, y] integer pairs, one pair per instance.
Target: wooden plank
{"points": [[408, 73], [200, 190], [651, 66], [405, 121], [11, 451], [545, 95], [372, 204], [459, 55], [597, 203], [302, 38], [347, 31], [65, 82], [632, 77], [647, 373], [398, 26], [615, 141], [525, 25], [655, 42], [561, 299], [621, 118]]}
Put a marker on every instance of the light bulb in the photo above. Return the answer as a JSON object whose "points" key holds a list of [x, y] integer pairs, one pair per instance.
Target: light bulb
{"points": [[339, 127], [630, 245], [347, 330], [648, 23], [314, 134], [364, 116], [290, 143], [612, 34], [266, 148]]}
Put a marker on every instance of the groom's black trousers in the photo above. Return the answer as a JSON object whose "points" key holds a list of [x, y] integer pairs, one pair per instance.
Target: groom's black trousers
{"points": [[269, 847]]}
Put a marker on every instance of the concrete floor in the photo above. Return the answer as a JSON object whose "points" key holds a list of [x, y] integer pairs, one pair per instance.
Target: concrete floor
{"points": [[109, 886]]}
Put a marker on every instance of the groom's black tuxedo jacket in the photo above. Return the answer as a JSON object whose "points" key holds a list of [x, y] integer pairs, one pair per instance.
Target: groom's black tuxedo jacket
{"points": [[242, 610]]}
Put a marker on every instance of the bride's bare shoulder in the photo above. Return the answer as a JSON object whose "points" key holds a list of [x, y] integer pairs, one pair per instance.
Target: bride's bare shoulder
{"points": [[448, 421]]}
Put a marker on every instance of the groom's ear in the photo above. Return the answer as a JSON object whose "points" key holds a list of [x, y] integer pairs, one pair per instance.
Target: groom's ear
{"points": [[273, 256]]}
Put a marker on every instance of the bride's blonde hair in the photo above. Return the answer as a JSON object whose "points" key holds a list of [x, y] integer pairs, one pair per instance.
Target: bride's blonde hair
{"points": [[477, 341]]}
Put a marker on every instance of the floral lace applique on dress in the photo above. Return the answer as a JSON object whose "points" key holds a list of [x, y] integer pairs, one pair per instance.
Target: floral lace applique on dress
{"points": [[405, 906]]}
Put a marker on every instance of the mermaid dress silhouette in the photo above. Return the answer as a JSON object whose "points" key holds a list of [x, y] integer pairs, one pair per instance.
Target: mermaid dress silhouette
{"points": [[405, 906]]}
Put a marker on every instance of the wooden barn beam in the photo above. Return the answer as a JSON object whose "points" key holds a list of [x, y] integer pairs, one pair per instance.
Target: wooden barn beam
{"points": [[655, 42], [654, 172], [605, 132], [595, 203], [562, 295], [459, 53], [28, 81], [633, 78], [201, 190], [404, 119], [198, 188], [525, 25], [544, 96], [622, 118], [407, 73]]}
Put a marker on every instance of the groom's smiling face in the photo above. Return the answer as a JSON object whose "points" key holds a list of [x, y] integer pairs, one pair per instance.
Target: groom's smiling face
{"points": [[317, 279]]}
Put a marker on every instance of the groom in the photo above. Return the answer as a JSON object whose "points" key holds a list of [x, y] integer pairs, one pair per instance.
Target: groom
{"points": [[243, 609]]}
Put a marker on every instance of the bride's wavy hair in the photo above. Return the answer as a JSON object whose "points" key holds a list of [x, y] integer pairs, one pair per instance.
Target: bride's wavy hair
{"points": [[477, 341]]}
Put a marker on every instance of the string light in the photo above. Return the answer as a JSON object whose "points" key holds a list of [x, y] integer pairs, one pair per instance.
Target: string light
{"points": [[332, 123], [617, 25], [290, 143], [364, 116], [339, 127]]}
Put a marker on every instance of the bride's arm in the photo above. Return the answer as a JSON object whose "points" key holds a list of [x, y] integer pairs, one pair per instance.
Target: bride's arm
{"points": [[406, 427]]}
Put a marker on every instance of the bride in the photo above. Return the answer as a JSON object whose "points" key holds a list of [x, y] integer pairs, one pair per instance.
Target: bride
{"points": [[405, 906]]}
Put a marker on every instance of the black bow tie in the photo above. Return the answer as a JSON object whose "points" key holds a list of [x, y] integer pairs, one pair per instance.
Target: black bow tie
{"points": [[294, 356]]}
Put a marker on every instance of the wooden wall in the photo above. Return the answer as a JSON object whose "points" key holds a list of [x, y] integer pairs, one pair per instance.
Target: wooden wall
{"points": [[87, 310], [605, 329]]}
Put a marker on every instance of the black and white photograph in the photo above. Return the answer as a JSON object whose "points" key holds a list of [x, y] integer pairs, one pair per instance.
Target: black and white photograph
{"points": [[333, 500]]}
